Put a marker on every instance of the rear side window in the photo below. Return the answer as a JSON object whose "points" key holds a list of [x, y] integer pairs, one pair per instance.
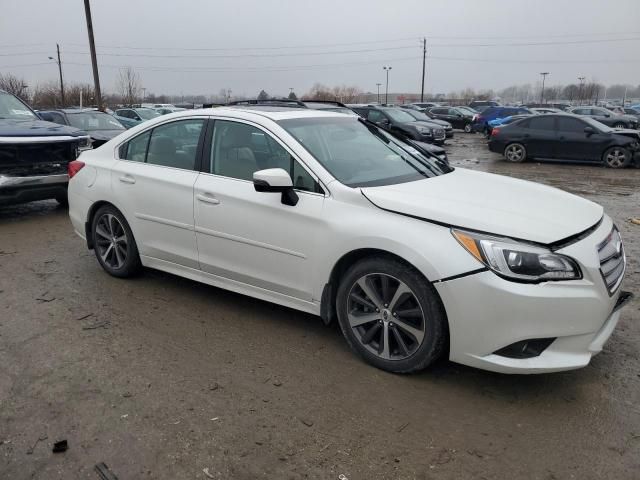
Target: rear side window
{"points": [[573, 125], [175, 144], [135, 149], [542, 123]]}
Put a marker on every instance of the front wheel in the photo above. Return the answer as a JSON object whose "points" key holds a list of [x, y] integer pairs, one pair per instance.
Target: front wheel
{"points": [[467, 128], [515, 152], [113, 243], [617, 157], [390, 315]]}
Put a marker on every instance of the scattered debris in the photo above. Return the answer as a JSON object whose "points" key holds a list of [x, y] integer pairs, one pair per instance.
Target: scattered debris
{"points": [[2, 252], [104, 472], [127, 395], [206, 472], [40, 439], [85, 317], [635, 221], [402, 427], [342, 476], [277, 383], [124, 416], [61, 446], [102, 324], [325, 447], [306, 422], [45, 300], [215, 386], [214, 419]]}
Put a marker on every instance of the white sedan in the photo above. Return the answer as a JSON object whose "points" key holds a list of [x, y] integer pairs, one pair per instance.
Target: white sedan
{"points": [[328, 214]]}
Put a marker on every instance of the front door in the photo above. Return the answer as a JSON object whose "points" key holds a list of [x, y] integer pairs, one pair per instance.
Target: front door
{"points": [[154, 178], [252, 237]]}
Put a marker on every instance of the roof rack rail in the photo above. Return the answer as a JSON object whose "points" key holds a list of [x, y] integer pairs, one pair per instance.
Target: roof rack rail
{"points": [[332, 102], [280, 102]]}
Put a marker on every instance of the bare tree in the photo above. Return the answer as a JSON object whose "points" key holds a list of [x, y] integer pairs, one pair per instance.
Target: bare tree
{"points": [[14, 85], [129, 85]]}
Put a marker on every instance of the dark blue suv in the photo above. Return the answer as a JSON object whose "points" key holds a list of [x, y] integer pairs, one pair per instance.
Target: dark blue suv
{"points": [[481, 121]]}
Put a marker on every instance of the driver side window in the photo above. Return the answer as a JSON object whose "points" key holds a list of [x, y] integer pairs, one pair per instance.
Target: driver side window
{"points": [[238, 150], [375, 116]]}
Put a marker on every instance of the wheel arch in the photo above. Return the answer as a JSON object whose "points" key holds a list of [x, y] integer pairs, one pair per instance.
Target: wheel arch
{"points": [[327, 302]]}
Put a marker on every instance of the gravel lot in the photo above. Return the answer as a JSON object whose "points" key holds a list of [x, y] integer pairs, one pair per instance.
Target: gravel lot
{"points": [[160, 377]]}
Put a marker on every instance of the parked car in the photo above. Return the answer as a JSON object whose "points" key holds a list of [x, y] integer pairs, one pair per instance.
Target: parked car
{"points": [[566, 137], [504, 121], [425, 105], [457, 117], [481, 121], [34, 154], [167, 110], [481, 105], [400, 122], [331, 215], [559, 105], [607, 117], [424, 116], [100, 126], [632, 111], [130, 117]]}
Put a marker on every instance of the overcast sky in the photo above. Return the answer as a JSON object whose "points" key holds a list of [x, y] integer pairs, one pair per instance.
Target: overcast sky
{"points": [[199, 47]]}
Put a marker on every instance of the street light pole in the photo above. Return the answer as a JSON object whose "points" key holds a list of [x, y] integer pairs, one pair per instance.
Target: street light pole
{"points": [[386, 90], [378, 85], [580, 90], [59, 70], [544, 76]]}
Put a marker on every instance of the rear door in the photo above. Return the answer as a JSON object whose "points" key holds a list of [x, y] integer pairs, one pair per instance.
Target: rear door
{"points": [[153, 185], [541, 139]]}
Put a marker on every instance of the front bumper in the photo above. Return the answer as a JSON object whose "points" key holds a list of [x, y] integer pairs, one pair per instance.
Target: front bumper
{"points": [[487, 313], [28, 189]]}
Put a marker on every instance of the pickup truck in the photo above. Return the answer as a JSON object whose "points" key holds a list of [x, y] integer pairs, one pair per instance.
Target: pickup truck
{"points": [[34, 154]]}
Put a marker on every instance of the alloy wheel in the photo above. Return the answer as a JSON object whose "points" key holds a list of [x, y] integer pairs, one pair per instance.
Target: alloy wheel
{"points": [[111, 241], [616, 158], [385, 316], [514, 153], [467, 128]]}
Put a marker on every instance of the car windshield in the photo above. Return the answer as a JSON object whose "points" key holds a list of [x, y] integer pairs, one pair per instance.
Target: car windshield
{"points": [[89, 121], [359, 154], [147, 113], [418, 115], [11, 107], [399, 115]]}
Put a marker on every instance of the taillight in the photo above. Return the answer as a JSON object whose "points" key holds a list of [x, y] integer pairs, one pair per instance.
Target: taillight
{"points": [[495, 131], [74, 167]]}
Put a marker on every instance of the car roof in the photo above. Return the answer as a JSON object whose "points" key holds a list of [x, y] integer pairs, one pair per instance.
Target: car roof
{"points": [[264, 111]]}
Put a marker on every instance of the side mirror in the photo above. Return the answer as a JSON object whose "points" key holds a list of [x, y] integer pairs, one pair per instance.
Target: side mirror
{"points": [[276, 180], [589, 131]]}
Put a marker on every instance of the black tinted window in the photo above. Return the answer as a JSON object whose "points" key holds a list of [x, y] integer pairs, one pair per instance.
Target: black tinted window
{"points": [[567, 124], [175, 144], [542, 123]]}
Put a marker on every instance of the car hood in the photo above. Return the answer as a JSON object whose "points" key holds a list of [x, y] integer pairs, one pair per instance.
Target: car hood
{"points": [[35, 128], [490, 203], [627, 132], [424, 123], [105, 135], [437, 121]]}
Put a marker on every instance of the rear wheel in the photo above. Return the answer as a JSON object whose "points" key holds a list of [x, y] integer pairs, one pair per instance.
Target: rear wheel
{"points": [[467, 128], [617, 157], [515, 152], [113, 243], [390, 315]]}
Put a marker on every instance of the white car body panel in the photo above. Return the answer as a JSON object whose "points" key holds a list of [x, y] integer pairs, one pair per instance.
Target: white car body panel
{"points": [[222, 232]]}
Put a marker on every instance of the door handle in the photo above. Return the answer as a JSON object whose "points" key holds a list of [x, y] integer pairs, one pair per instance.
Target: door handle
{"points": [[207, 198], [127, 179]]}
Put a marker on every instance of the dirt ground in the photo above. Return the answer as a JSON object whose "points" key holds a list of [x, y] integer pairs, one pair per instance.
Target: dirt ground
{"points": [[161, 378]]}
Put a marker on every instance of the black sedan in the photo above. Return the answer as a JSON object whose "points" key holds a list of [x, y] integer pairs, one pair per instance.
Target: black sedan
{"points": [[100, 126], [566, 138], [425, 117], [461, 119]]}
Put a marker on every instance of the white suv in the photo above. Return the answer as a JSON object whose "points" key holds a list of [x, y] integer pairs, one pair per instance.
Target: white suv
{"points": [[328, 214]]}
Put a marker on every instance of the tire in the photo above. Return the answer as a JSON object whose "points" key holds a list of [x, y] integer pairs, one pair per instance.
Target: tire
{"points": [[416, 333], [617, 157], [515, 152], [468, 128], [114, 244], [619, 125]]}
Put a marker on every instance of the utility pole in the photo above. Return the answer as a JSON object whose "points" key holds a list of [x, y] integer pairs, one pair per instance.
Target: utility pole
{"points": [[94, 61], [378, 84], [386, 91], [544, 76], [424, 62], [580, 90]]}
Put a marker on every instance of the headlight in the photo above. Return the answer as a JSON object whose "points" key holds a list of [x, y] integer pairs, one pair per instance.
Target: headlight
{"points": [[424, 130], [518, 261], [84, 143]]}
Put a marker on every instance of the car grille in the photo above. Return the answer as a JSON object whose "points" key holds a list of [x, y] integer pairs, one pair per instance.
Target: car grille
{"points": [[29, 159], [438, 133], [612, 260]]}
